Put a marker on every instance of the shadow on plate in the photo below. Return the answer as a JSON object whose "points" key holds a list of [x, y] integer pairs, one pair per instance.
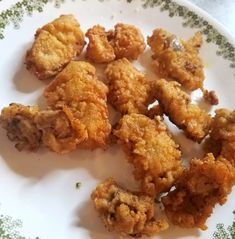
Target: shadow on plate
{"points": [[98, 163]]}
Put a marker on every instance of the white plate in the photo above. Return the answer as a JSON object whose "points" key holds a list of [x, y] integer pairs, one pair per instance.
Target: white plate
{"points": [[38, 196]]}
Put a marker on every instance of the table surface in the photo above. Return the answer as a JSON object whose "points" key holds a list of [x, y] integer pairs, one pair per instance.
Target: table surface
{"points": [[222, 10]]}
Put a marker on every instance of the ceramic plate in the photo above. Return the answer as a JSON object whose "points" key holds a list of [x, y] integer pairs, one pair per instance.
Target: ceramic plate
{"points": [[38, 193]]}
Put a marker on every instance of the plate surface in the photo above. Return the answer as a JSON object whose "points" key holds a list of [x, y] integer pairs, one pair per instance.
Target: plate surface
{"points": [[38, 196]]}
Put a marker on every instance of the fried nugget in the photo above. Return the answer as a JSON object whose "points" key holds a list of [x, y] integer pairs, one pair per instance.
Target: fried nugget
{"points": [[126, 212], [127, 41], [152, 151], [222, 135], [18, 120], [78, 89], [177, 58], [129, 89], [55, 45], [206, 183], [99, 50], [176, 104]]}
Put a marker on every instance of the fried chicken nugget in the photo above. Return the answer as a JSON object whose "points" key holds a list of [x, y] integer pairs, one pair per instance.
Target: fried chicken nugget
{"points": [[127, 41], [18, 120], [126, 212], [129, 89], [78, 90], [222, 135], [55, 45], [152, 151], [206, 183], [99, 50], [177, 105], [177, 58], [31, 128]]}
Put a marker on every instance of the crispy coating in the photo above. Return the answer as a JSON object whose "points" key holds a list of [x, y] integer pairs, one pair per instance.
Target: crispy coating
{"points": [[177, 105], [152, 151], [222, 136], [55, 45], [129, 89], [126, 212], [18, 120], [177, 58], [78, 90], [206, 183], [127, 41], [60, 132], [99, 50]]}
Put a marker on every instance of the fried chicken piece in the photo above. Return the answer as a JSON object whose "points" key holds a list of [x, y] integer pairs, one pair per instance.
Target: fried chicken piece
{"points": [[78, 89], [206, 183], [129, 89], [222, 136], [152, 151], [177, 58], [127, 41], [18, 120], [99, 50], [177, 105], [55, 45], [60, 132], [126, 212]]}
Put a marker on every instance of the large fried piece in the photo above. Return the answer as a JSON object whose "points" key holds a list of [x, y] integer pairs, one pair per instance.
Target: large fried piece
{"points": [[31, 128], [129, 89], [18, 120], [222, 136], [153, 153], [177, 105], [206, 183], [99, 50], [78, 90], [55, 45], [177, 58], [126, 212], [127, 41]]}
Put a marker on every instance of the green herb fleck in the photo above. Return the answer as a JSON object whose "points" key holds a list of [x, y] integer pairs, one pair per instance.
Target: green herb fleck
{"points": [[78, 185]]}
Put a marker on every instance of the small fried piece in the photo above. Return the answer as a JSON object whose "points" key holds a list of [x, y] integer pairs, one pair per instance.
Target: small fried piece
{"points": [[222, 135], [55, 45], [177, 58], [126, 212], [152, 151], [177, 105], [127, 41], [129, 89], [78, 90], [206, 183], [18, 120], [99, 50]]}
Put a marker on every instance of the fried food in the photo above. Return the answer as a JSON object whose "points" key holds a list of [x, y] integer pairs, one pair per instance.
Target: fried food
{"points": [[152, 151], [206, 183], [129, 89], [78, 90], [177, 59], [177, 105], [55, 45], [60, 132], [77, 114], [18, 120], [126, 212], [99, 50], [127, 41], [222, 136]]}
